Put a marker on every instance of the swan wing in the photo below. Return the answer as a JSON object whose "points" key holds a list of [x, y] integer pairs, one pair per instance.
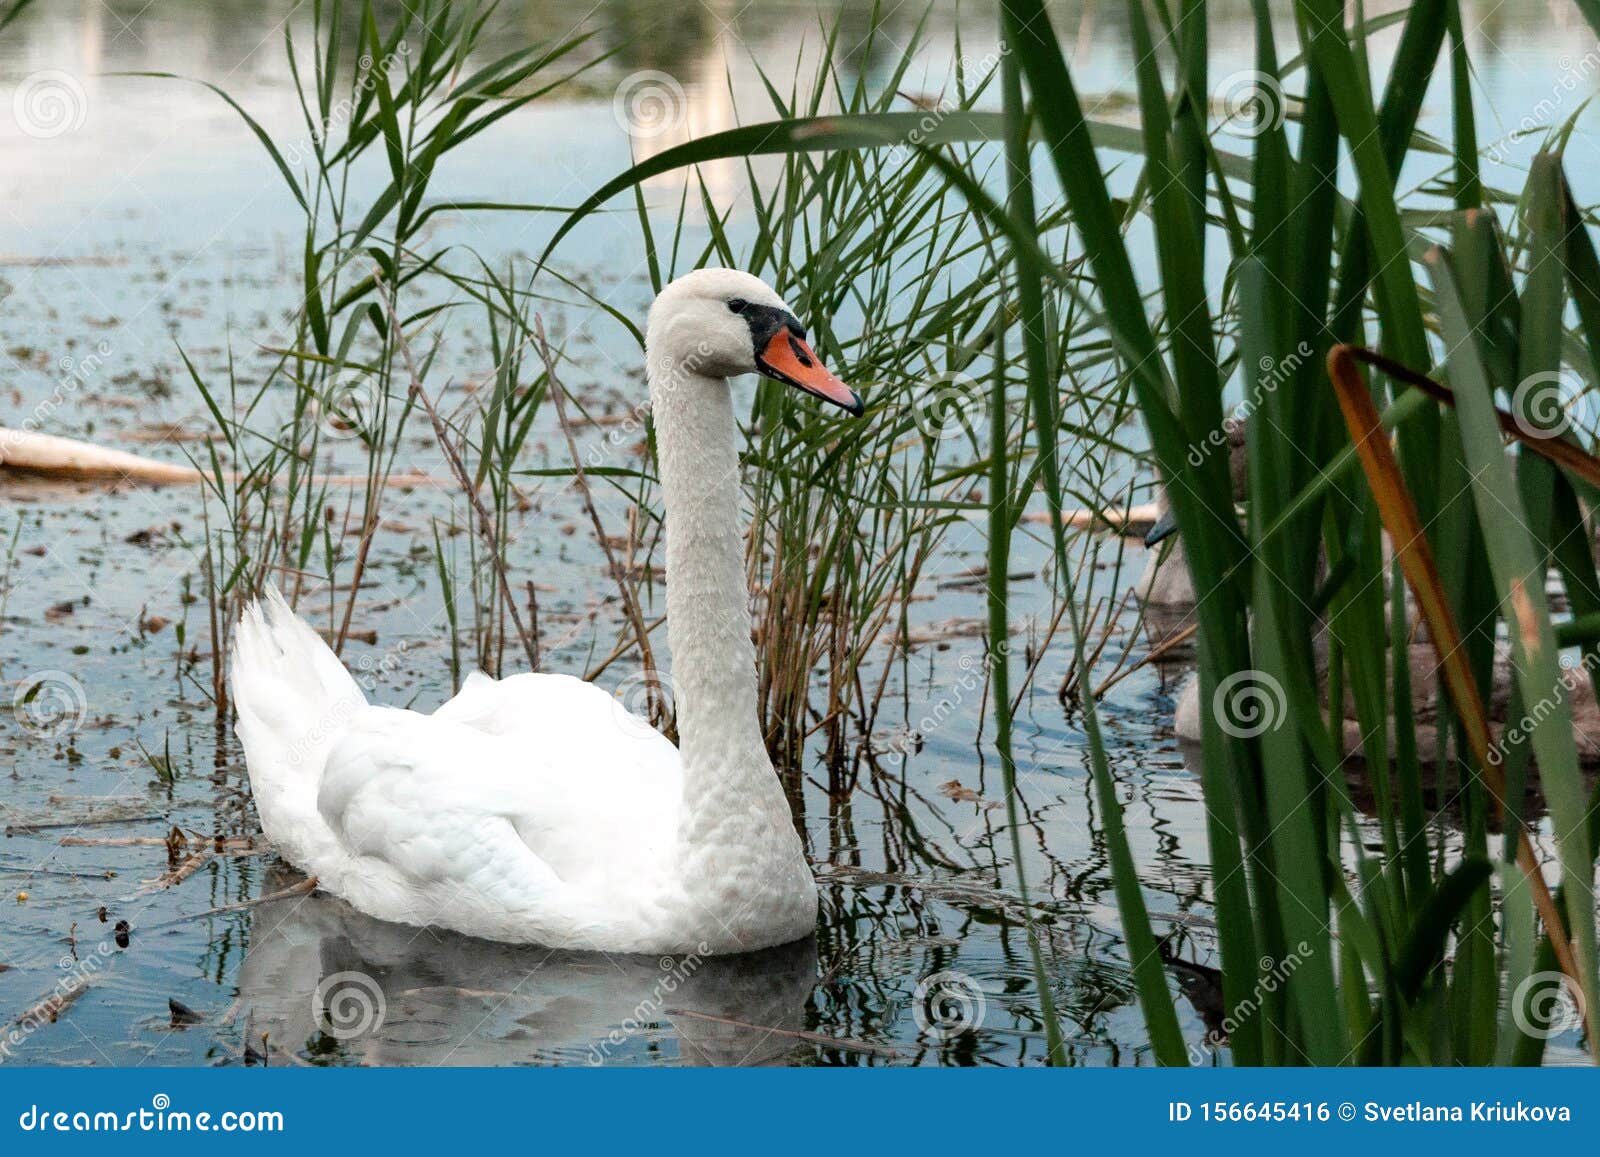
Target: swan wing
{"points": [[552, 705], [529, 828], [530, 809], [571, 724]]}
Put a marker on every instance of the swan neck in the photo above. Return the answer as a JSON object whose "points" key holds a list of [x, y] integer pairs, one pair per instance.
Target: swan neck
{"points": [[708, 616], [740, 861]]}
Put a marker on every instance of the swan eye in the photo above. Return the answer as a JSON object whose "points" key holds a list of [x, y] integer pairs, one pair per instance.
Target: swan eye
{"points": [[738, 305]]}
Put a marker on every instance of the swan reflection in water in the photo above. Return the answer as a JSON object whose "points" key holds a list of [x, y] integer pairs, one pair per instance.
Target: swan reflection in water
{"points": [[330, 985]]}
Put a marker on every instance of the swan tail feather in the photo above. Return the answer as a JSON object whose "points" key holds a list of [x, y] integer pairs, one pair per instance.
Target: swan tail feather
{"points": [[294, 700]]}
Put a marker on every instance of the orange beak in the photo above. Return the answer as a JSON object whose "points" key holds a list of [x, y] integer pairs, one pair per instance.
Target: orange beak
{"points": [[788, 359]]}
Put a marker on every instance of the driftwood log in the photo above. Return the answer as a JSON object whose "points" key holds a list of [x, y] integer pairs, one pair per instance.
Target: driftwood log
{"points": [[28, 454], [47, 456], [1132, 520]]}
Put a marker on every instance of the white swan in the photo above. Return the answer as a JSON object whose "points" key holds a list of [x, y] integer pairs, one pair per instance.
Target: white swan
{"points": [[536, 809]]}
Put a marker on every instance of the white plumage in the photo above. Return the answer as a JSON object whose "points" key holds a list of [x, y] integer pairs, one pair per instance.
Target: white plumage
{"points": [[536, 808]]}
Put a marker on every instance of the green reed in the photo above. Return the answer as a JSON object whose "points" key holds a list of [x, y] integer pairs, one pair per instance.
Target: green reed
{"points": [[1402, 966], [406, 96], [1417, 953], [1056, 330]]}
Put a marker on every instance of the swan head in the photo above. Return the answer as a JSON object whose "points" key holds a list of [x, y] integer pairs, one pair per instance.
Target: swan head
{"points": [[720, 323], [1235, 432]]}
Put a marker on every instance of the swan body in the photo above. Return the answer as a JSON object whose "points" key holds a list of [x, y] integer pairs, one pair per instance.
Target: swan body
{"points": [[1164, 584], [537, 808]]}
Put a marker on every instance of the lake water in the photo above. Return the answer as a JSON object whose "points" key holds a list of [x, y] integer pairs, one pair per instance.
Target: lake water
{"points": [[154, 221]]}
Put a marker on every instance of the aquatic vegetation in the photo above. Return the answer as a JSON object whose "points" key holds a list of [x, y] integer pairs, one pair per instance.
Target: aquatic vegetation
{"points": [[1044, 308], [846, 523], [1420, 951], [409, 94]]}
